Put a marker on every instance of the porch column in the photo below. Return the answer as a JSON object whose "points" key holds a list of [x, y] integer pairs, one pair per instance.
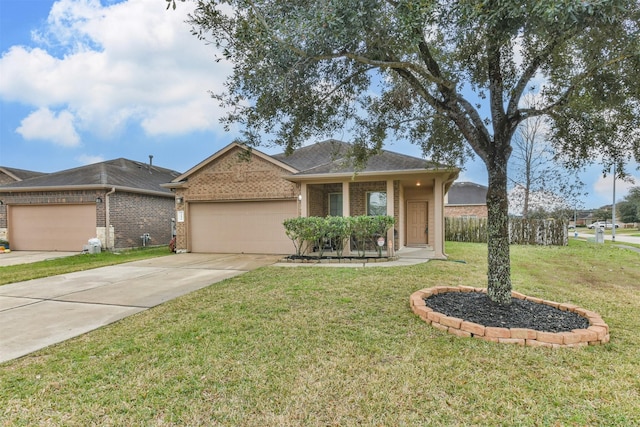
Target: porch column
{"points": [[438, 235], [303, 201], [346, 211], [391, 212]]}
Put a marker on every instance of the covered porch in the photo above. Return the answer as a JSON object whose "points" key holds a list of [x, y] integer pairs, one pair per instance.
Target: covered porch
{"points": [[414, 199]]}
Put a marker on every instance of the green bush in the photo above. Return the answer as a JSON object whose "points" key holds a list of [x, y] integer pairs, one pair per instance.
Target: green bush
{"points": [[309, 232]]}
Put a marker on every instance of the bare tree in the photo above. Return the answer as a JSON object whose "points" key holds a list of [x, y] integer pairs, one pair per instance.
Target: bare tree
{"points": [[537, 170]]}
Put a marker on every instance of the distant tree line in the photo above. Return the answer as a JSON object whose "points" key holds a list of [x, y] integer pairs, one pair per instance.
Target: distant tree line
{"points": [[629, 209]]}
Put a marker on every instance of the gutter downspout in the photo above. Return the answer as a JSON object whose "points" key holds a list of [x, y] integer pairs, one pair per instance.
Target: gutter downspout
{"points": [[107, 218]]}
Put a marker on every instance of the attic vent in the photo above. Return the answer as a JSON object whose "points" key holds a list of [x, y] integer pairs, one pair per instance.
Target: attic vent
{"points": [[150, 162]]}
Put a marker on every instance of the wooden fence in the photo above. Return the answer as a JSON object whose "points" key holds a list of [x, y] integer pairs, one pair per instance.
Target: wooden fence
{"points": [[521, 231]]}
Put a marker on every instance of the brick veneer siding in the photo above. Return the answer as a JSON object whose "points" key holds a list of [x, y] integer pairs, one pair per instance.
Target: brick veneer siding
{"points": [[132, 215], [358, 192], [233, 178], [478, 211]]}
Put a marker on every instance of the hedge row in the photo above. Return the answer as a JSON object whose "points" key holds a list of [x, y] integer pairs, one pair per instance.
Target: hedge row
{"points": [[308, 233]]}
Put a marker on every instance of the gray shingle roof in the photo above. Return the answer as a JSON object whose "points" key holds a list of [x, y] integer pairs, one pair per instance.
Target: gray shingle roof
{"points": [[330, 157], [120, 172], [20, 174], [467, 193]]}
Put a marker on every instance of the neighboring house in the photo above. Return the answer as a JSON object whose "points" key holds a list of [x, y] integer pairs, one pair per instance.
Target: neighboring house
{"points": [[234, 202], [466, 200], [117, 201], [9, 175]]}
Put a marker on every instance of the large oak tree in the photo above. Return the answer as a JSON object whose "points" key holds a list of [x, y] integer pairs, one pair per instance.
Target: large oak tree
{"points": [[446, 75]]}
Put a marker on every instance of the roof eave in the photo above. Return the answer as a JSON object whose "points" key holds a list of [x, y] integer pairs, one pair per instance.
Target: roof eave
{"points": [[368, 174], [85, 187]]}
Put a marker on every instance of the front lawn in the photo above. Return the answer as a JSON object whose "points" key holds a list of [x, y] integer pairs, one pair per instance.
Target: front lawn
{"points": [[340, 346]]}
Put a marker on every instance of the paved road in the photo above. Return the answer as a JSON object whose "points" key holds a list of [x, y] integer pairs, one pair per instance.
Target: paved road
{"points": [[620, 238], [37, 313]]}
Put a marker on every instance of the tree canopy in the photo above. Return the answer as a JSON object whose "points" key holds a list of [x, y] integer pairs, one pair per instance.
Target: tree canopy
{"points": [[446, 75]]}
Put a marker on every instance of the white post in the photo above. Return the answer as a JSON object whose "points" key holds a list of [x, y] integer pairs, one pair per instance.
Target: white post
{"points": [[613, 209]]}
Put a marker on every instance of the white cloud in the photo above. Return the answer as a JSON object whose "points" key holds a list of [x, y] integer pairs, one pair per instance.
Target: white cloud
{"points": [[87, 159], [43, 124], [110, 66], [603, 187]]}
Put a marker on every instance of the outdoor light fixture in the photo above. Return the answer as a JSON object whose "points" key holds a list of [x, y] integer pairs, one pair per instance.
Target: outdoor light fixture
{"points": [[98, 199], [418, 184], [179, 199], [299, 197]]}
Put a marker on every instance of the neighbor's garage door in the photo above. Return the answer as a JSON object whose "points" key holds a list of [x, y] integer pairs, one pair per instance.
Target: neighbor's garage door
{"points": [[51, 227], [249, 227]]}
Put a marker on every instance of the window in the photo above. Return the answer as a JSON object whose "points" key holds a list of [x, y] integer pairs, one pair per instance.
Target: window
{"points": [[376, 203], [335, 204]]}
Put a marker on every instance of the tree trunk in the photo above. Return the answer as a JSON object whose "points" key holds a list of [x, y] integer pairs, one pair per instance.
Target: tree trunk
{"points": [[499, 274]]}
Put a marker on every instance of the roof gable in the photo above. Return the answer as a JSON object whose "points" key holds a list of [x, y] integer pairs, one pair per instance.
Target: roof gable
{"points": [[214, 157]]}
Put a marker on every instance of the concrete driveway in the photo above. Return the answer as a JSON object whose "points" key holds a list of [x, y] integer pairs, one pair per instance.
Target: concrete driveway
{"points": [[37, 313]]}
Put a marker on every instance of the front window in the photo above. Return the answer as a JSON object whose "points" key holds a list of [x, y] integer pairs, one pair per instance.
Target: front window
{"points": [[335, 204], [377, 203]]}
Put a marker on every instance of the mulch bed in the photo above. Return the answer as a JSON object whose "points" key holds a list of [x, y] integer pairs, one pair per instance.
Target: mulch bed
{"points": [[478, 308]]}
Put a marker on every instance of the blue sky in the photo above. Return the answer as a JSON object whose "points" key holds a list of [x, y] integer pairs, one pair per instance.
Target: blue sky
{"points": [[83, 81]]}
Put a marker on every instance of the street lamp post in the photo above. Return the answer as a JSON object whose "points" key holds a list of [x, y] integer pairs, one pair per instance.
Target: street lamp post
{"points": [[613, 209]]}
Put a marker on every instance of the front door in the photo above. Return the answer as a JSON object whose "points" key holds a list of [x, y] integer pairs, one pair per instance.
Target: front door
{"points": [[417, 223]]}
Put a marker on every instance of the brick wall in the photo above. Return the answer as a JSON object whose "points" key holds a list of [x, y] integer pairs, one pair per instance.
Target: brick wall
{"points": [[133, 214], [233, 178], [358, 192]]}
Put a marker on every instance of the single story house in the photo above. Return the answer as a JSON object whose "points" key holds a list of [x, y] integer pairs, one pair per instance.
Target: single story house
{"points": [[119, 202], [466, 200], [236, 200]]}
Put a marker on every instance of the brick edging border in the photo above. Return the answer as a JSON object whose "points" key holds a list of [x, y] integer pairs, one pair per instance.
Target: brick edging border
{"points": [[597, 332]]}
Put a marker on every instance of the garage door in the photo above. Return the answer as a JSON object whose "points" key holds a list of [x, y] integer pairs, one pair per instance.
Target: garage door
{"points": [[241, 227], [51, 227]]}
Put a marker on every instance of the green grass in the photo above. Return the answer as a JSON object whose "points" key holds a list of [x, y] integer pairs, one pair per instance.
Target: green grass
{"points": [[340, 346], [19, 273]]}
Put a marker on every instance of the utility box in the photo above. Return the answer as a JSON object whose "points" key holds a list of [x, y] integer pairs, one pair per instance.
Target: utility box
{"points": [[599, 235], [94, 246]]}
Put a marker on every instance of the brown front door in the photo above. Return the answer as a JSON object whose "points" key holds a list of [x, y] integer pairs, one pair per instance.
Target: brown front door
{"points": [[416, 223]]}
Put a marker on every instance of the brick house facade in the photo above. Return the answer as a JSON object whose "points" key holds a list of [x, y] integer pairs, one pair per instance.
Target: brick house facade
{"points": [[237, 199], [117, 202], [466, 200]]}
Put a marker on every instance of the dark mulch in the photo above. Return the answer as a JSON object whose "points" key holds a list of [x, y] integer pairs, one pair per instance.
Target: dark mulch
{"points": [[325, 257], [478, 308]]}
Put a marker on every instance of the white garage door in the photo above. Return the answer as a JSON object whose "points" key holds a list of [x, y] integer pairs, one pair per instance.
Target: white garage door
{"points": [[51, 227], [241, 227]]}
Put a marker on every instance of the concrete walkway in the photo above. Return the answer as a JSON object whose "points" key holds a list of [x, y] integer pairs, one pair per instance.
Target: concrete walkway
{"points": [[37, 313], [406, 257]]}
